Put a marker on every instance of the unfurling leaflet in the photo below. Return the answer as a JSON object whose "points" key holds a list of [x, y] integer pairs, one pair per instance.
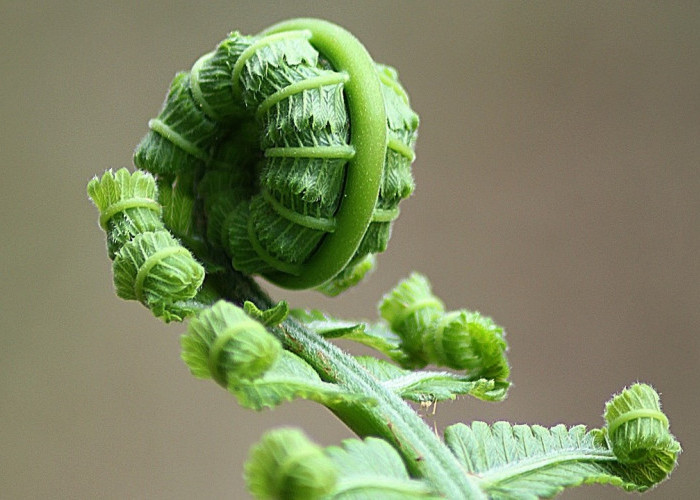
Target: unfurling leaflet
{"points": [[638, 433], [225, 344], [286, 465], [150, 265], [532, 461], [463, 340]]}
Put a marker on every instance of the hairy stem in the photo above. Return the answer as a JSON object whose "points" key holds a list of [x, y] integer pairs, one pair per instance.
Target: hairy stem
{"points": [[390, 418]]}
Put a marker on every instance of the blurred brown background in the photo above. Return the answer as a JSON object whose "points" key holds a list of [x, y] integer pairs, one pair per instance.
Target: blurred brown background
{"points": [[558, 191]]}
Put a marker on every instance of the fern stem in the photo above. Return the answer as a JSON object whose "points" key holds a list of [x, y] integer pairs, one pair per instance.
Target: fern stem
{"points": [[425, 455]]}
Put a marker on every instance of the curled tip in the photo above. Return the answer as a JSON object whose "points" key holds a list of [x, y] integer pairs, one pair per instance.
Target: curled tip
{"points": [[408, 297], [127, 205], [155, 269], [224, 343], [638, 433], [466, 340], [411, 310], [286, 465]]}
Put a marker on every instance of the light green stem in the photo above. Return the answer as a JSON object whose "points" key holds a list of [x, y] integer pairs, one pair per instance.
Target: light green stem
{"points": [[425, 455]]}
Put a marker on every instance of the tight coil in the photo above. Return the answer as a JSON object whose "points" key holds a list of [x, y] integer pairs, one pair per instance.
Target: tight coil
{"points": [[302, 147]]}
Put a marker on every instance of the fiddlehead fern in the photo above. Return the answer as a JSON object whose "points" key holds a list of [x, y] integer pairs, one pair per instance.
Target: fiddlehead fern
{"points": [[303, 146], [287, 154]]}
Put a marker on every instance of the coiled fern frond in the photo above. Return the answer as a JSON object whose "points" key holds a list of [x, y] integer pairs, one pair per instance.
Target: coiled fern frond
{"points": [[301, 147]]}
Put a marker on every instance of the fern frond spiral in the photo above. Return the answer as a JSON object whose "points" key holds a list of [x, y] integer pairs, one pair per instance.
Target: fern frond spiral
{"points": [[303, 147]]}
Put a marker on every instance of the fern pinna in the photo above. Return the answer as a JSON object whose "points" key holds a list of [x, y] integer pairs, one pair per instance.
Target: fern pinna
{"points": [[285, 155]]}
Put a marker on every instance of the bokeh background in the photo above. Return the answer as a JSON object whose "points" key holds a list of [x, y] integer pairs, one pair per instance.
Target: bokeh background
{"points": [[558, 191]]}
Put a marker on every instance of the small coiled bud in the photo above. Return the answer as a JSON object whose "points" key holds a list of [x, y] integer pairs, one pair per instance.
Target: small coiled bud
{"points": [[412, 310], [155, 269], [286, 465], [150, 265], [463, 340], [225, 344], [466, 340], [638, 434], [127, 205]]}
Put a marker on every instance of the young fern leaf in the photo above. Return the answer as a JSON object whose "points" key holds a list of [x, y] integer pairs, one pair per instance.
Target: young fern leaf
{"points": [[150, 265], [269, 317], [462, 340], [371, 469], [286, 155], [290, 378], [286, 465], [529, 462], [431, 386]]}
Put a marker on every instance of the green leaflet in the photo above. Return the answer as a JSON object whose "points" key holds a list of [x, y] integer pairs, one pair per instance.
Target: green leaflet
{"points": [[638, 433], [212, 85], [529, 462], [127, 205], [289, 378], [416, 386], [375, 336], [269, 317], [155, 269], [466, 340], [371, 469], [181, 137], [177, 197], [286, 465], [430, 386], [411, 310]]}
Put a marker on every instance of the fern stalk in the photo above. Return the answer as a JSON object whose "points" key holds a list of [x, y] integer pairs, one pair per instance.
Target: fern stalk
{"points": [[388, 417]]}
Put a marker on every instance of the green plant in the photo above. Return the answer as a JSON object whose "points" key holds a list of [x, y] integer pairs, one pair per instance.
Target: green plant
{"points": [[286, 155]]}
